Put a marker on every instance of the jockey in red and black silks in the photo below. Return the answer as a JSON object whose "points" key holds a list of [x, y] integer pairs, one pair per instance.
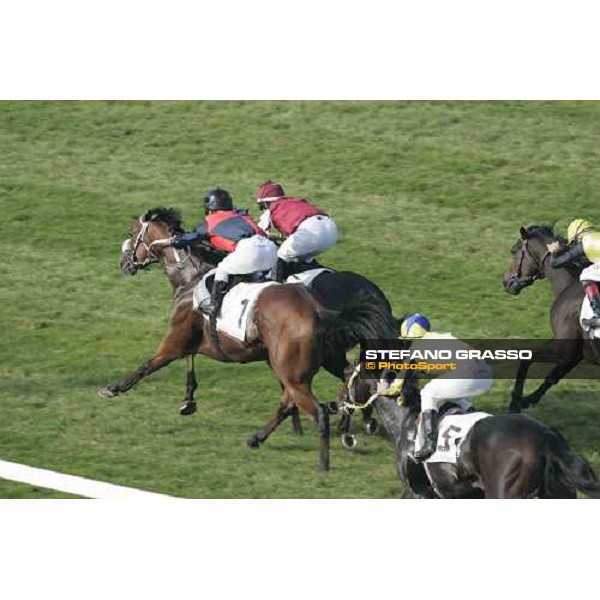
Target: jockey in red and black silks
{"points": [[232, 231]]}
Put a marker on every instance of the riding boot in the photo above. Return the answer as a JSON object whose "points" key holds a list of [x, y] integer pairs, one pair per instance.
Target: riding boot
{"points": [[593, 294], [428, 419], [278, 274], [216, 298]]}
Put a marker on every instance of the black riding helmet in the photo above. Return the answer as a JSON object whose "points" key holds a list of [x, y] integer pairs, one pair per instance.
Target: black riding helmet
{"points": [[217, 199]]}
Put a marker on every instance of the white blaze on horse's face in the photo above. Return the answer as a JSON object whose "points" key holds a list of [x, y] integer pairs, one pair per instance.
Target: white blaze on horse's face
{"points": [[127, 246]]}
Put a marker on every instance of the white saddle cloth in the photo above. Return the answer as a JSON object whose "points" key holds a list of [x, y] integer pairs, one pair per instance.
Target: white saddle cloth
{"points": [[306, 277], [587, 312], [235, 318], [452, 432]]}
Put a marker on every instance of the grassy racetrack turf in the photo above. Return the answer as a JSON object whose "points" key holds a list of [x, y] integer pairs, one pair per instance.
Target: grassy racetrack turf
{"points": [[428, 197]]}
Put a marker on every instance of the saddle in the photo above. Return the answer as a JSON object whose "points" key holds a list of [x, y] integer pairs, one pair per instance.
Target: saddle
{"points": [[235, 318]]}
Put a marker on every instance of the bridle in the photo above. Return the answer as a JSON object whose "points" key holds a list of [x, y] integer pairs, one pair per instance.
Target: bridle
{"points": [[130, 248], [540, 274]]}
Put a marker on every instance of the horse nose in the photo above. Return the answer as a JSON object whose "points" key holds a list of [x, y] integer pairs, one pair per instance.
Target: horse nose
{"points": [[512, 286], [127, 267]]}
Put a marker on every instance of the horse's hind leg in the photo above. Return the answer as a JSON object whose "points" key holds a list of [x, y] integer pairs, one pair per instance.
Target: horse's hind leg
{"points": [[283, 412], [296, 424], [301, 396], [518, 477]]}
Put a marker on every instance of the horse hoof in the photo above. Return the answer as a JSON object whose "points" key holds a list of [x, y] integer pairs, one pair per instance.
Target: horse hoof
{"points": [[514, 407], [107, 393], [253, 442], [529, 401], [348, 441], [333, 408], [372, 427], [188, 408]]}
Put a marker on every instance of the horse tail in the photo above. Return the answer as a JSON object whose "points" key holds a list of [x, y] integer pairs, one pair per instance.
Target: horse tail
{"points": [[364, 316], [565, 468]]}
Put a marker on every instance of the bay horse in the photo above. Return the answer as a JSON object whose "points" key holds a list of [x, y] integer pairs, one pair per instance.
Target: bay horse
{"points": [[502, 456], [348, 293], [530, 264], [291, 329]]}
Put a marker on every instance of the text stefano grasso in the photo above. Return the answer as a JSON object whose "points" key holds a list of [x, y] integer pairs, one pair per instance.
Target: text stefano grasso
{"points": [[447, 354]]}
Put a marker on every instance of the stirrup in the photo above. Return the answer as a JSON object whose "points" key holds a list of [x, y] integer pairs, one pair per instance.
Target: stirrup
{"points": [[592, 323]]}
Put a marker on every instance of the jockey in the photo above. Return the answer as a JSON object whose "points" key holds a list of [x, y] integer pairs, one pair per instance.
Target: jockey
{"points": [[232, 231], [445, 388], [583, 245], [308, 230]]}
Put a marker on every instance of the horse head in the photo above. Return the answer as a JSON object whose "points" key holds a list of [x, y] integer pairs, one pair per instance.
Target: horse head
{"points": [[529, 257], [143, 246]]}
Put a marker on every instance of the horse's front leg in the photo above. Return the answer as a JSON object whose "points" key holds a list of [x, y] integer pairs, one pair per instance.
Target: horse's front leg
{"points": [[557, 373], [516, 402], [170, 349], [189, 405], [370, 422]]}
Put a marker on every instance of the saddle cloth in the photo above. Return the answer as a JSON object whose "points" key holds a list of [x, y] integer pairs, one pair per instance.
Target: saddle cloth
{"points": [[452, 431], [235, 318], [306, 277], [587, 312]]}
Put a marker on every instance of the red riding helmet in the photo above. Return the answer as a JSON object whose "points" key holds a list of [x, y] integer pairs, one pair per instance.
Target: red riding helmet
{"points": [[269, 191]]}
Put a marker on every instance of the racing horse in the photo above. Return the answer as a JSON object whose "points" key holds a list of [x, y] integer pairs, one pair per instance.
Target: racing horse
{"points": [[570, 346], [348, 293], [502, 456], [290, 328]]}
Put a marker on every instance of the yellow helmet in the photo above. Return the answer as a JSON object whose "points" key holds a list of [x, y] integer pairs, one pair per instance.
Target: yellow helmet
{"points": [[576, 228]]}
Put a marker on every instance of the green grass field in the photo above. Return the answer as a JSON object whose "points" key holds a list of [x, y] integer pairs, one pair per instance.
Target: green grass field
{"points": [[428, 197]]}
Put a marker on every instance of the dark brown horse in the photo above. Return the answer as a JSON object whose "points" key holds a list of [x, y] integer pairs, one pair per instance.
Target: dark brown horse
{"points": [[502, 456], [290, 329], [530, 264]]}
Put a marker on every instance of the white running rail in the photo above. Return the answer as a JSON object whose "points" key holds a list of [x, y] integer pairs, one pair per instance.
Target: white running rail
{"points": [[70, 484]]}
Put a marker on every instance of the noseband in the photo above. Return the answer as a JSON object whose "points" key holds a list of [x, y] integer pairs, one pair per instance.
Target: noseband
{"points": [[525, 281]]}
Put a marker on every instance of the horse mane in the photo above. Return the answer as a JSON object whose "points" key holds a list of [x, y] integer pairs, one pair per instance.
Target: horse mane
{"points": [[543, 230], [167, 216]]}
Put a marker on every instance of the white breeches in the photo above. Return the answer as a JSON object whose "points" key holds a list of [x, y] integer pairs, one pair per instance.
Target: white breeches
{"points": [[251, 255], [591, 273], [445, 389], [313, 237]]}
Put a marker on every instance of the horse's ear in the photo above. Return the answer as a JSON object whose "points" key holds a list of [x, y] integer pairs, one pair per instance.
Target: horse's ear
{"points": [[523, 233]]}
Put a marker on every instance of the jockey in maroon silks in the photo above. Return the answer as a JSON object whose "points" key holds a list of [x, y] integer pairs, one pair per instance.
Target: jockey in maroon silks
{"points": [[308, 230]]}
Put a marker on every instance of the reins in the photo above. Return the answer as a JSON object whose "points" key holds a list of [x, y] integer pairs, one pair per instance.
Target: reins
{"points": [[395, 390]]}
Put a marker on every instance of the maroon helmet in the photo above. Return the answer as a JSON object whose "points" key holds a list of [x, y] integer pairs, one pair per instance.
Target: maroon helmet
{"points": [[269, 191]]}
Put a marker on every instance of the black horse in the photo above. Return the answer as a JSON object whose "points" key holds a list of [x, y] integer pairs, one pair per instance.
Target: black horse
{"points": [[570, 346], [502, 456]]}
